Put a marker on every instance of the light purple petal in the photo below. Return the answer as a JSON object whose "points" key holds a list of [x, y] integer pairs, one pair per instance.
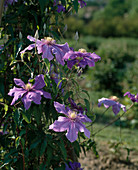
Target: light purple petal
{"points": [[30, 47], [34, 96], [26, 101], [60, 108], [71, 63], [72, 133], [95, 57], [123, 107], [60, 125], [82, 128], [60, 51], [39, 82], [31, 96], [19, 82], [47, 52], [84, 118], [17, 93], [67, 55], [33, 39], [106, 101], [90, 62], [128, 93], [59, 55], [116, 108], [46, 94]]}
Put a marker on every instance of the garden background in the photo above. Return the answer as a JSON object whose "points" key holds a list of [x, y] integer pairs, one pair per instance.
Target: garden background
{"points": [[110, 29]]}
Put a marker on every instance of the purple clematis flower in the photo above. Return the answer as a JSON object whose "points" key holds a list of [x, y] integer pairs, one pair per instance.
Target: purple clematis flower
{"points": [[73, 166], [134, 98], [80, 58], [48, 47], [72, 122], [60, 8], [82, 3], [112, 102], [29, 92]]}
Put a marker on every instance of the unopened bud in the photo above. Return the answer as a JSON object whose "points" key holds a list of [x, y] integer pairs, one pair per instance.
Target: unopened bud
{"points": [[20, 36], [36, 34], [76, 37]]}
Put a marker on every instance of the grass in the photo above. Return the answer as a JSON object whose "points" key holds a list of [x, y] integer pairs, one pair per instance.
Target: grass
{"points": [[128, 136]]}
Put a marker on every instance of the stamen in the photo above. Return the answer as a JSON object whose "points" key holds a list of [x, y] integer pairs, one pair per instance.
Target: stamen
{"points": [[82, 50], [73, 115], [114, 98], [28, 86]]}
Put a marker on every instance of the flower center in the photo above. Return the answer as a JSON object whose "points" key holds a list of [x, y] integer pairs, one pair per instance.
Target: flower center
{"points": [[49, 40], [114, 98], [73, 115], [28, 86], [82, 50]]}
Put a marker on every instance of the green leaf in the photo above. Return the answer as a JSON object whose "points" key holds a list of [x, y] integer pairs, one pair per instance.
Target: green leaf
{"points": [[63, 149], [2, 88], [17, 141], [6, 109], [67, 95], [42, 166], [34, 145], [43, 4], [49, 155], [76, 5], [22, 132], [47, 64], [23, 142], [37, 113], [26, 116], [87, 103], [43, 147], [86, 92], [76, 148], [16, 117]]}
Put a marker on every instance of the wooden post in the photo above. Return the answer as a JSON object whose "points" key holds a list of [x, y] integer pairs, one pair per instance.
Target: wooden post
{"points": [[1, 9]]}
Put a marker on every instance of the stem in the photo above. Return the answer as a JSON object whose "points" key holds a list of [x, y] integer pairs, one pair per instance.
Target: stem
{"points": [[1, 9], [110, 123], [25, 64], [23, 157], [101, 116]]}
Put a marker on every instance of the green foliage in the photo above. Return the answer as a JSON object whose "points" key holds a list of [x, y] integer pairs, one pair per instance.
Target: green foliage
{"points": [[115, 18], [25, 139], [117, 56]]}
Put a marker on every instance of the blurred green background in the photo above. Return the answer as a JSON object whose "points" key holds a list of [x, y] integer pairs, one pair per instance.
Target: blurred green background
{"points": [[110, 29]]}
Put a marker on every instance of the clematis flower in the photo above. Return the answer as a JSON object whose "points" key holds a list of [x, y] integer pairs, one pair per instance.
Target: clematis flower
{"points": [[73, 122], [116, 106], [73, 166], [82, 3], [80, 58], [48, 47], [134, 98], [60, 7], [29, 92]]}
